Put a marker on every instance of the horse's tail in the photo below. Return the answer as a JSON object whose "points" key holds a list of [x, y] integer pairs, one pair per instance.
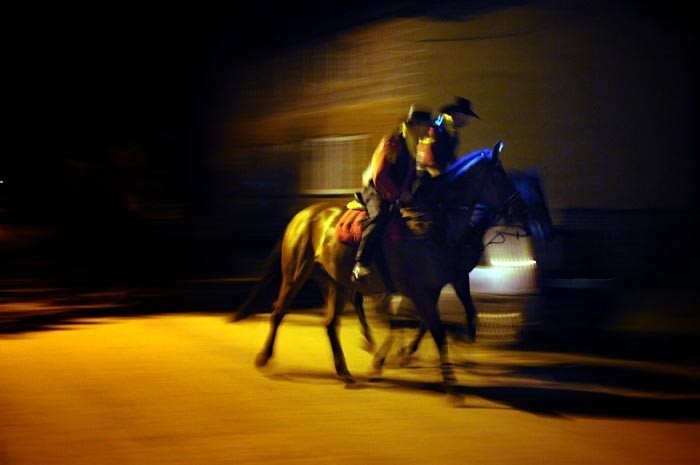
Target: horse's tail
{"points": [[264, 293]]}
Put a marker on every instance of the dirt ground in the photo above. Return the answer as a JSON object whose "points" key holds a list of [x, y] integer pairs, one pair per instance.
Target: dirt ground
{"points": [[182, 389]]}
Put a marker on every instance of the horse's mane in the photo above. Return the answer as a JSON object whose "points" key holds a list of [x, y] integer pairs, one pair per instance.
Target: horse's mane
{"points": [[448, 187], [464, 164], [527, 182]]}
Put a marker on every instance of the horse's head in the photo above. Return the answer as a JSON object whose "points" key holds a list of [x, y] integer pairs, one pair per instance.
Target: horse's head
{"points": [[480, 179], [529, 185]]}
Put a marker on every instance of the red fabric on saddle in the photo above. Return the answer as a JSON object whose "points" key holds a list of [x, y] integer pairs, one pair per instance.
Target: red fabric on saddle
{"points": [[348, 231], [349, 228]]}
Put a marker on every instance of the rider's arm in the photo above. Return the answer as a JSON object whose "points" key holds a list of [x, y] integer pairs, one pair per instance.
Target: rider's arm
{"points": [[382, 161]]}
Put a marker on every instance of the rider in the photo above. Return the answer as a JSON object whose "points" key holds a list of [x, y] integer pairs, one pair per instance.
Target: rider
{"points": [[437, 151], [389, 179]]}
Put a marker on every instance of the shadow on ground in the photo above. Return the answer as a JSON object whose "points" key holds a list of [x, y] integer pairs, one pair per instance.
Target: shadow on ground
{"points": [[646, 396]]}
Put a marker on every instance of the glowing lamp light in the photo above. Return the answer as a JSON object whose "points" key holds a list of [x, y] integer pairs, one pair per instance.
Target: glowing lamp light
{"points": [[509, 268], [513, 280], [513, 263]]}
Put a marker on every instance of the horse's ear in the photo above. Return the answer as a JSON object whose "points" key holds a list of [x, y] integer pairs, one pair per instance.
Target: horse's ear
{"points": [[497, 149], [493, 154]]}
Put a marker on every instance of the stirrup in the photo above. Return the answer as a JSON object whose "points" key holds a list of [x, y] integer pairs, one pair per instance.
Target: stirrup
{"points": [[359, 199], [360, 271]]}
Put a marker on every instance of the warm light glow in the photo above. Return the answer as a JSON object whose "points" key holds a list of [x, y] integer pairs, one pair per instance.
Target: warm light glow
{"points": [[510, 280], [513, 263], [501, 316]]}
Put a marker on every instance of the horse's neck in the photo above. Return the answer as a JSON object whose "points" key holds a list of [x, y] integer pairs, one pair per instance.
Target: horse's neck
{"points": [[469, 221], [468, 240], [466, 189]]}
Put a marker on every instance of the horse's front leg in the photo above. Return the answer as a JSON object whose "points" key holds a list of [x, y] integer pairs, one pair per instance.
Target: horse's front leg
{"points": [[408, 351], [461, 286], [463, 291], [426, 305], [375, 371], [358, 303]]}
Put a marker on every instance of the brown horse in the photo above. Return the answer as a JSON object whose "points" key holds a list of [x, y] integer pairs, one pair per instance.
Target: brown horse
{"points": [[417, 267]]}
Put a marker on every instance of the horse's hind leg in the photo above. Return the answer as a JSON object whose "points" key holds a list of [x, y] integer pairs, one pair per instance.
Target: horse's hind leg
{"points": [[358, 304], [288, 290], [335, 301]]}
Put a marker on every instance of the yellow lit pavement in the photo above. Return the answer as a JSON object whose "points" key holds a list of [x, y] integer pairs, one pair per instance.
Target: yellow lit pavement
{"points": [[182, 389]]}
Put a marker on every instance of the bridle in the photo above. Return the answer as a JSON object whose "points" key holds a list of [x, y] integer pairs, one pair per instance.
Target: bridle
{"points": [[513, 207]]}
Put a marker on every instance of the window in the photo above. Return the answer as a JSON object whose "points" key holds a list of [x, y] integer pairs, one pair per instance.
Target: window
{"points": [[333, 165]]}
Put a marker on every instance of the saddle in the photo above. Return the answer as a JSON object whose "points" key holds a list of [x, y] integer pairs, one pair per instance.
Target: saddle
{"points": [[348, 230]]}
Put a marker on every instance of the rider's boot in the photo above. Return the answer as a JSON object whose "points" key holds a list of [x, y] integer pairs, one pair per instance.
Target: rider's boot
{"points": [[364, 250]]}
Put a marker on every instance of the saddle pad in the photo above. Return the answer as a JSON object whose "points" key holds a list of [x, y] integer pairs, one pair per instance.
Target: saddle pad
{"points": [[349, 228]]}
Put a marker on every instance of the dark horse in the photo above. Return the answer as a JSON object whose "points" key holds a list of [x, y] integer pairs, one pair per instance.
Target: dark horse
{"points": [[528, 184], [417, 267]]}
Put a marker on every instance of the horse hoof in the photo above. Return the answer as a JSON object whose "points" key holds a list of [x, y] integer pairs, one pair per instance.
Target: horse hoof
{"points": [[261, 360], [455, 399], [405, 359], [348, 380], [369, 347], [350, 383], [374, 374]]}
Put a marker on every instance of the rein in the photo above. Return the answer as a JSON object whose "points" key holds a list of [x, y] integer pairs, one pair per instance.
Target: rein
{"points": [[502, 235], [504, 212]]}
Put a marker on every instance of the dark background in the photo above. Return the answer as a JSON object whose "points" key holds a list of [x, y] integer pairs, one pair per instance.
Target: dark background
{"points": [[114, 99], [121, 97], [84, 80]]}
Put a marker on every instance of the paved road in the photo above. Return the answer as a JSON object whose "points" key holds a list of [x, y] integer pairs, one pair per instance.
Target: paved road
{"points": [[182, 389]]}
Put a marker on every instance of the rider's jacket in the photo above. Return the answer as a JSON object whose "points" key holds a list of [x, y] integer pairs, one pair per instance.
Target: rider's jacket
{"points": [[392, 169], [436, 152]]}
